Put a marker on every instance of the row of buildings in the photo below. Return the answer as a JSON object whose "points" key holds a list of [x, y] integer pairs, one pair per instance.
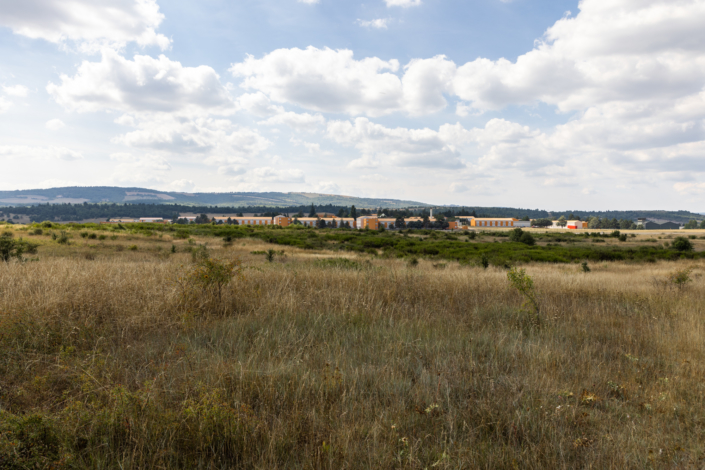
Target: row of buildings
{"points": [[372, 222]]}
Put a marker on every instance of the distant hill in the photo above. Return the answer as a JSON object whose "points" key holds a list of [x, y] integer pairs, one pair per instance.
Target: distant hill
{"points": [[110, 194]]}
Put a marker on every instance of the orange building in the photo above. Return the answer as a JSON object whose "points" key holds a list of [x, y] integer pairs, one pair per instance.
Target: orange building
{"points": [[492, 222]]}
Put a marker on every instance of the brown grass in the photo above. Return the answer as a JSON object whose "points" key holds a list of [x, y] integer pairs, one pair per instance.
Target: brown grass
{"points": [[104, 364]]}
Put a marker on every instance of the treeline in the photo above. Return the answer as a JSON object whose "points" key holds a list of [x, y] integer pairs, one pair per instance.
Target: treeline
{"points": [[85, 211]]}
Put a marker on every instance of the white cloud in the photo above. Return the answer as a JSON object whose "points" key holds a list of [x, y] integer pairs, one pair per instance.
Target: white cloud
{"points": [[327, 187], [91, 24], [402, 3], [621, 50], [25, 152], [232, 170], [214, 138], [143, 84], [257, 177], [374, 177], [398, 147], [379, 23], [324, 80], [4, 104], [18, 90], [54, 124], [300, 122], [148, 169], [425, 82], [182, 186], [259, 105], [313, 148]]}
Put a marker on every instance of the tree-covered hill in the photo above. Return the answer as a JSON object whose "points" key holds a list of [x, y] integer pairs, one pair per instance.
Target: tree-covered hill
{"points": [[109, 194]]}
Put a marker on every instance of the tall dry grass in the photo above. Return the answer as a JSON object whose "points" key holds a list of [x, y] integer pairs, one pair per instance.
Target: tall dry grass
{"points": [[302, 364]]}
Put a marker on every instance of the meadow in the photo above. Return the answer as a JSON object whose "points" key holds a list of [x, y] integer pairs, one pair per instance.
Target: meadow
{"points": [[141, 347]]}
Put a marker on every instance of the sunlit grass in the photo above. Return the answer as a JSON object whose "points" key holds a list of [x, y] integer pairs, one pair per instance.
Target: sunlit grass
{"points": [[313, 362]]}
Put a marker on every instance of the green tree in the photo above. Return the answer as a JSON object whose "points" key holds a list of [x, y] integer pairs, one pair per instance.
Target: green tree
{"points": [[594, 223], [562, 222], [312, 212], [353, 213], [515, 235], [11, 248], [202, 219], [692, 224], [702, 224]]}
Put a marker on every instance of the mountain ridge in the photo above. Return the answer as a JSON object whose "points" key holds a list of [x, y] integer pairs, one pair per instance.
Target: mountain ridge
{"points": [[119, 195]]}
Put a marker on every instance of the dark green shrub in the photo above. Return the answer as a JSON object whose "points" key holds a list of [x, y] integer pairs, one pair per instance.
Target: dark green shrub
{"points": [[682, 244], [484, 261], [527, 239], [11, 248]]}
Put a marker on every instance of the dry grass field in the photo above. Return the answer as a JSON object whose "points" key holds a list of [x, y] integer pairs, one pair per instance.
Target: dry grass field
{"points": [[121, 357]]}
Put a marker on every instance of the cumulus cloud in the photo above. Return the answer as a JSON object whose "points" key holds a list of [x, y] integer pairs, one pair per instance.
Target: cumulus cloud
{"points": [[17, 90], [147, 169], [144, 84], [54, 124], [90, 24], [218, 139], [402, 3], [5, 104], [25, 152], [614, 51], [258, 176], [379, 23], [327, 187], [324, 80], [258, 104], [398, 147], [300, 122], [182, 186]]}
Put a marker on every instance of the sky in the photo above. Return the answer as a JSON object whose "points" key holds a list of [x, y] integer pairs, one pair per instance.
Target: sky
{"points": [[553, 104]]}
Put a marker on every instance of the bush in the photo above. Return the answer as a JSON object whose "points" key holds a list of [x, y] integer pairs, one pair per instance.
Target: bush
{"points": [[484, 261], [11, 248], [682, 244], [527, 239], [623, 237], [62, 238], [523, 283], [680, 278]]}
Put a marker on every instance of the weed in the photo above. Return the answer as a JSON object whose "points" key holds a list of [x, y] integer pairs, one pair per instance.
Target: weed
{"points": [[680, 278], [524, 284], [585, 267]]}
